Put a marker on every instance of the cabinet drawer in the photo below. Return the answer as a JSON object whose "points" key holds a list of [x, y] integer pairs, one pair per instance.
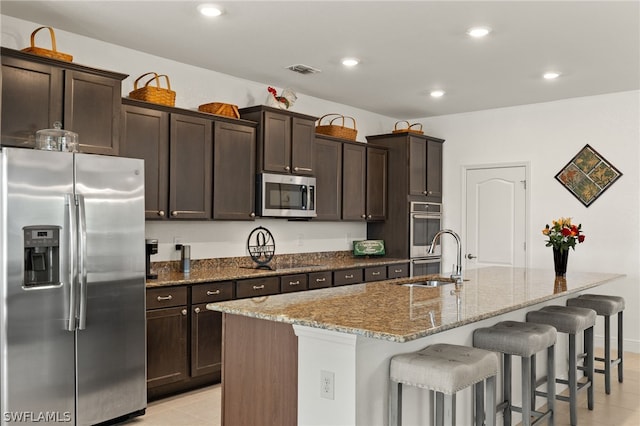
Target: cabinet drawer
{"points": [[214, 292], [376, 273], [347, 276], [296, 282], [320, 280], [166, 297], [398, 271], [257, 287]]}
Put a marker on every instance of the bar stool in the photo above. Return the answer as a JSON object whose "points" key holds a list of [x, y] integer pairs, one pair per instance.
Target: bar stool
{"points": [[605, 306], [521, 339], [445, 369], [570, 320]]}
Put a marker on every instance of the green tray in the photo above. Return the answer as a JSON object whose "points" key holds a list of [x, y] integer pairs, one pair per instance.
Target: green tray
{"points": [[368, 248]]}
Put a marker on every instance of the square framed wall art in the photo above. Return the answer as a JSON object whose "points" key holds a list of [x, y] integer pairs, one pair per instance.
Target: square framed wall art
{"points": [[588, 175]]}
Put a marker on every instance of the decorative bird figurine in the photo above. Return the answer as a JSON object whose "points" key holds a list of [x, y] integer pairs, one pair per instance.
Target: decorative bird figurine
{"points": [[285, 101]]}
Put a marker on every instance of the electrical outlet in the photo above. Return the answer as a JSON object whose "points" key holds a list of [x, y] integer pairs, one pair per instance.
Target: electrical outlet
{"points": [[349, 239], [326, 384], [300, 240]]}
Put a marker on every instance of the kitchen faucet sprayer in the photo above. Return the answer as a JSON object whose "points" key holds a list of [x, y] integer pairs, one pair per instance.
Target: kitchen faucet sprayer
{"points": [[456, 274]]}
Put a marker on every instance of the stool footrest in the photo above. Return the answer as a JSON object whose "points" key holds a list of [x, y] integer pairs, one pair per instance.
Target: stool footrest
{"points": [[537, 414]]}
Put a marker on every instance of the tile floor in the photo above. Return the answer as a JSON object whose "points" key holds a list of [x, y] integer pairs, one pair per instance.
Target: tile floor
{"points": [[620, 408]]}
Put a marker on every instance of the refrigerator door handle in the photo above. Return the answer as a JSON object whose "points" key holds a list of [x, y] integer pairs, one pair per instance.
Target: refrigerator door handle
{"points": [[70, 203], [82, 262]]}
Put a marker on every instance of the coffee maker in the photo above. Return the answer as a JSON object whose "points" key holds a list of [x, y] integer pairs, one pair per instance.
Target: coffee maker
{"points": [[151, 248]]}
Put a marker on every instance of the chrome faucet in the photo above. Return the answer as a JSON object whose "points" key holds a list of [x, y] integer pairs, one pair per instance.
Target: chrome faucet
{"points": [[456, 274]]}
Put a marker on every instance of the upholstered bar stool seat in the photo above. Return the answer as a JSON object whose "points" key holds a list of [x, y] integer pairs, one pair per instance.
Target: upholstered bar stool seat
{"points": [[606, 306], [521, 339], [444, 369], [572, 321]]}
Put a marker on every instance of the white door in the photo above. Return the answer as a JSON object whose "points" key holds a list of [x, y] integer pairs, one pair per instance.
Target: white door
{"points": [[496, 217]]}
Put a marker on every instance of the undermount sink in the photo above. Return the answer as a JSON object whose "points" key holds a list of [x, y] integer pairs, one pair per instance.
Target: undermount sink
{"points": [[428, 284]]}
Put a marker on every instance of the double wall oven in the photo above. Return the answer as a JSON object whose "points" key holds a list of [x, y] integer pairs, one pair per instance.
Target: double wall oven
{"points": [[425, 220]]}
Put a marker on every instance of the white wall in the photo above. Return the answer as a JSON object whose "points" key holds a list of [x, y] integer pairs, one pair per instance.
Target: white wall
{"points": [[195, 86], [548, 135]]}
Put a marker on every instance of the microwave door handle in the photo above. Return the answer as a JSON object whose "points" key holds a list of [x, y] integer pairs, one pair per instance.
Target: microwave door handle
{"points": [[423, 262], [425, 216], [305, 197]]}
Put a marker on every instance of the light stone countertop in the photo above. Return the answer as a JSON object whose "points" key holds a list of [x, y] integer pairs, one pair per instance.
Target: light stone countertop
{"points": [[387, 310]]}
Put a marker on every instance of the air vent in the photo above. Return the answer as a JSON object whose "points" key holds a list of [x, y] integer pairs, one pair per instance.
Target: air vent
{"points": [[303, 69]]}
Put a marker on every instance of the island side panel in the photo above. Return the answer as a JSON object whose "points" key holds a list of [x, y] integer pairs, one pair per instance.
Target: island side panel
{"points": [[259, 372]]}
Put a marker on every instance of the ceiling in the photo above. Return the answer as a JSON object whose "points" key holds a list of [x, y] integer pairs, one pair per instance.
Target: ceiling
{"points": [[406, 48]]}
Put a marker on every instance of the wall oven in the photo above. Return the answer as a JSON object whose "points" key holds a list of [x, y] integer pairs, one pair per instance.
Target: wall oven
{"points": [[286, 195], [425, 220]]}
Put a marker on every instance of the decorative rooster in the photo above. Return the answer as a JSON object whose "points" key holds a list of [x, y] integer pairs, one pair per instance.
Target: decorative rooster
{"points": [[285, 101]]}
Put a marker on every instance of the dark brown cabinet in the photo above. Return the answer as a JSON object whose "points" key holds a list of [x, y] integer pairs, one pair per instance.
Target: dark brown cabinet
{"points": [[284, 138], [398, 271], [37, 91], [364, 182], [320, 280], [294, 282], [255, 287], [167, 324], [348, 276], [234, 154], [414, 174], [327, 159], [375, 273], [180, 148]]}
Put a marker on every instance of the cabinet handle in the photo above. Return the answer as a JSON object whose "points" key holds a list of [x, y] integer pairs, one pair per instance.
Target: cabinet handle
{"points": [[184, 312], [213, 293], [196, 310], [161, 298], [161, 213], [294, 282], [397, 271], [258, 287], [177, 212], [320, 280], [364, 216], [287, 168], [252, 214], [368, 216], [375, 274], [302, 169], [174, 213], [348, 277], [425, 193]]}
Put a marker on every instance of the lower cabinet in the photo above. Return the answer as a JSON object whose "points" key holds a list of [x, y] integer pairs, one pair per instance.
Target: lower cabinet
{"points": [[184, 341]]}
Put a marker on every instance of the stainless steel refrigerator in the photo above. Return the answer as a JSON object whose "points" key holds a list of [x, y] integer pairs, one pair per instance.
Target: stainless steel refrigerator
{"points": [[72, 311]]}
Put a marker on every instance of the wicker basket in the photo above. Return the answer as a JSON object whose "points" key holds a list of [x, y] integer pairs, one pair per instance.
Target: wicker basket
{"points": [[154, 94], [337, 131], [53, 53], [408, 129], [220, 108]]}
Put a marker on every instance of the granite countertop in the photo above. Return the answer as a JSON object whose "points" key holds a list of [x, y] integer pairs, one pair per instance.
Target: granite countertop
{"points": [[390, 311], [211, 270]]}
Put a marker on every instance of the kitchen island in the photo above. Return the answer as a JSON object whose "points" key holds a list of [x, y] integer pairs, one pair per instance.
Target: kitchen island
{"points": [[277, 348]]}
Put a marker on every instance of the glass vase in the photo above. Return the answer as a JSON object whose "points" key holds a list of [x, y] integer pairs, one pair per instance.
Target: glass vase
{"points": [[560, 258]]}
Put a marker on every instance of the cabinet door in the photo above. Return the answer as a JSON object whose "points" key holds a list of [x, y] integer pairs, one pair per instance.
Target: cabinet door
{"points": [[302, 136], [145, 135], [92, 109], [206, 340], [31, 100], [353, 182], [276, 142], [327, 158], [376, 184], [234, 153], [434, 171], [190, 171], [417, 166], [166, 346]]}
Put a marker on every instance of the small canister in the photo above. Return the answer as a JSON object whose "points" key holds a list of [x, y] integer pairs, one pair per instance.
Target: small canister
{"points": [[57, 139]]}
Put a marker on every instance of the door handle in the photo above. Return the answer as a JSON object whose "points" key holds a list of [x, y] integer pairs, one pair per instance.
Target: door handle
{"points": [[73, 256], [82, 262], [470, 256]]}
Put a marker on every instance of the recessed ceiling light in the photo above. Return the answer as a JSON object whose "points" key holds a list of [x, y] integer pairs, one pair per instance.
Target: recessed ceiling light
{"points": [[437, 93], [209, 10], [350, 62], [551, 75], [478, 32]]}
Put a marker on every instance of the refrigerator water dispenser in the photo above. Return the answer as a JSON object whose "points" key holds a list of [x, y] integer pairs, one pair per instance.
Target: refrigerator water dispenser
{"points": [[41, 256]]}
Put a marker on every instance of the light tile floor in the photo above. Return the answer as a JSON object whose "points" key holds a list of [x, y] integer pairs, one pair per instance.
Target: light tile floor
{"points": [[620, 408]]}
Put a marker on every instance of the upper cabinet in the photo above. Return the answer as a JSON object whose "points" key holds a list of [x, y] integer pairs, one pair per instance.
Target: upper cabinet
{"points": [[364, 182], [327, 159], [284, 138], [422, 180], [179, 148], [38, 91]]}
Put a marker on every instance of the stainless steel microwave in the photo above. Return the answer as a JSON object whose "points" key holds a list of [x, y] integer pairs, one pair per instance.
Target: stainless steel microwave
{"points": [[286, 195]]}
